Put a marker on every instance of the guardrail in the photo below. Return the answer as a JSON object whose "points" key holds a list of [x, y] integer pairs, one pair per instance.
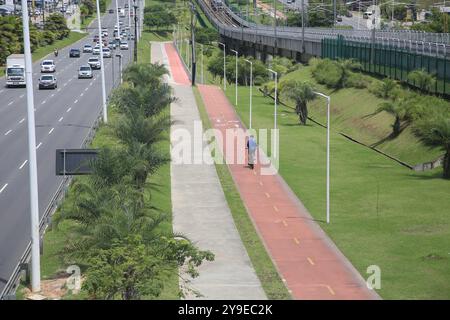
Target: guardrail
{"points": [[13, 282]]}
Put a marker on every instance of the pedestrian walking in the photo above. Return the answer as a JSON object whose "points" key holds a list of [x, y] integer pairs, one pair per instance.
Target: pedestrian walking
{"points": [[251, 147]]}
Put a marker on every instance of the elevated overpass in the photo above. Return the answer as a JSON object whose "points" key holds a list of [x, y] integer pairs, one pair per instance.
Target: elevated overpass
{"points": [[294, 42]]}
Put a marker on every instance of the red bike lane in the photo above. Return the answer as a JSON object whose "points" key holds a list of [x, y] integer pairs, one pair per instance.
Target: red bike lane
{"points": [[309, 263]]}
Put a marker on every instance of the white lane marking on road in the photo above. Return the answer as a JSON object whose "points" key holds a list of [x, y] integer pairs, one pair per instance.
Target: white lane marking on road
{"points": [[7, 132], [59, 89], [51, 130], [76, 101], [52, 95], [43, 102], [21, 96], [1, 90], [23, 164], [65, 84], [81, 94], [23, 119], [90, 84], [68, 110], [60, 119], [40, 144], [86, 89], [10, 103], [3, 188]]}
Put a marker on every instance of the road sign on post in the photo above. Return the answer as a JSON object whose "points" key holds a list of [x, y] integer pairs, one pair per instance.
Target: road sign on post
{"points": [[74, 161]]}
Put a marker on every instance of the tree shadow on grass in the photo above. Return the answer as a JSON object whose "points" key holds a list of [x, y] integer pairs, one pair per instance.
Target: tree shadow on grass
{"points": [[424, 175]]}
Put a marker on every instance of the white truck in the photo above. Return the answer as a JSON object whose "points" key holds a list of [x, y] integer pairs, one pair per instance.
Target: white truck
{"points": [[122, 12], [15, 70]]}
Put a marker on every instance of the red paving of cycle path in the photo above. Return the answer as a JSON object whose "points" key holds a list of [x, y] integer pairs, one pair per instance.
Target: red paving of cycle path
{"points": [[311, 266]]}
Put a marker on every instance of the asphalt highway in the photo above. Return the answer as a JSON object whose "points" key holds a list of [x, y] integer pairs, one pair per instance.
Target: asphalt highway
{"points": [[63, 119]]}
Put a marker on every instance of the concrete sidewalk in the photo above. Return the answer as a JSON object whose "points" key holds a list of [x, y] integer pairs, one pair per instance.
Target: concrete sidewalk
{"points": [[200, 210]]}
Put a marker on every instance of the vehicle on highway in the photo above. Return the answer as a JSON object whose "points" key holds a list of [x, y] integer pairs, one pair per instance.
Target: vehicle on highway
{"points": [[121, 12], [94, 62], [339, 19], [289, 1], [111, 10], [85, 71], [106, 53], [74, 53], [348, 14], [123, 45], [96, 38], [87, 48], [217, 4], [96, 49], [48, 66], [47, 81], [112, 45], [15, 70], [126, 6]]}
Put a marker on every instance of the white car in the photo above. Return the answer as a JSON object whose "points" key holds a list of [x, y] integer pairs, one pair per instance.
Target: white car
{"points": [[96, 50], [94, 62], [87, 48], [48, 66], [123, 45], [106, 53]]}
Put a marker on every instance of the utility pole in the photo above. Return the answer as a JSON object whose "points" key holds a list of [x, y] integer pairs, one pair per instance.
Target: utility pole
{"points": [[334, 12], [303, 26], [102, 65], [372, 53], [135, 31], [33, 180], [193, 56], [118, 24], [129, 17]]}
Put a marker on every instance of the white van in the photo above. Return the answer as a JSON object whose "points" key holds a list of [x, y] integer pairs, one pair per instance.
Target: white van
{"points": [[367, 14]]}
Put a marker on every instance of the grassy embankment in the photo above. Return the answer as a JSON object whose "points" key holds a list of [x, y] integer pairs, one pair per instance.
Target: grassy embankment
{"points": [[381, 212]]}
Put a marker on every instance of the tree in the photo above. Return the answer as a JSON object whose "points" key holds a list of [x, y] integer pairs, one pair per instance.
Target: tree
{"points": [[346, 67], [130, 269], [422, 79], [301, 93], [403, 109], [435, 132], [159, 16], [386, 89]]}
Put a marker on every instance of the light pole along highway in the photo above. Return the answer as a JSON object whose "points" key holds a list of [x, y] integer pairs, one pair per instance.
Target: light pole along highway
{"points": [[251, 93], [236, 76], [34, 201], [102, 69]]}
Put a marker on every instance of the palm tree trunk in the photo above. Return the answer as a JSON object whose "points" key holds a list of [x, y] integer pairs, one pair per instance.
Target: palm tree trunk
{"points": [[446, 164], [302, 112], [396, 126]]}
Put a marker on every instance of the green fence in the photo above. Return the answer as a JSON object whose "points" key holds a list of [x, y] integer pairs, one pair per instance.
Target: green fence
{"points": [[390, 61]]}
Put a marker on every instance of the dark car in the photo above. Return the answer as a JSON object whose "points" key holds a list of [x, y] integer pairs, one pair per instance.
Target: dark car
{"points": [[348, 14], [47, 82], [339, 19], [111, 10], [74, 53]]}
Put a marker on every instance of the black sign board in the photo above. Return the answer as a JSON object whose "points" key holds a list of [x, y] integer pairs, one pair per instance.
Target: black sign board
{"points": [[74, 161]]}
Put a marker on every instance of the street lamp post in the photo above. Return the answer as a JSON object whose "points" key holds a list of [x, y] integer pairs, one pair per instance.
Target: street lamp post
{"points": [[236, 76], [102, 65], [33, 181], [328, 153], [251, 93], [274, 153], [224, 71], [120, 66], [112, 69], [135, 31], [117, 19], [201, 46]]}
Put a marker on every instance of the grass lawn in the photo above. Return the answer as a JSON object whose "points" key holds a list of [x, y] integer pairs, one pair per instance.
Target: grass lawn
{"points": [[263, 265], [381, 212], [351, 113]]}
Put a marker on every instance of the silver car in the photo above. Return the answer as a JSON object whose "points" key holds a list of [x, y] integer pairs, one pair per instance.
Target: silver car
{"points": [[47, 82], [85, 72], [106, 53]]}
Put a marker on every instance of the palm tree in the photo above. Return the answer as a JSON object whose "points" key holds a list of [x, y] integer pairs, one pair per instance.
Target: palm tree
{"points": [[422, 79], [401, 109], [301, 93], [435, 132], [345, 67], [387, 88], [141, 75]]}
